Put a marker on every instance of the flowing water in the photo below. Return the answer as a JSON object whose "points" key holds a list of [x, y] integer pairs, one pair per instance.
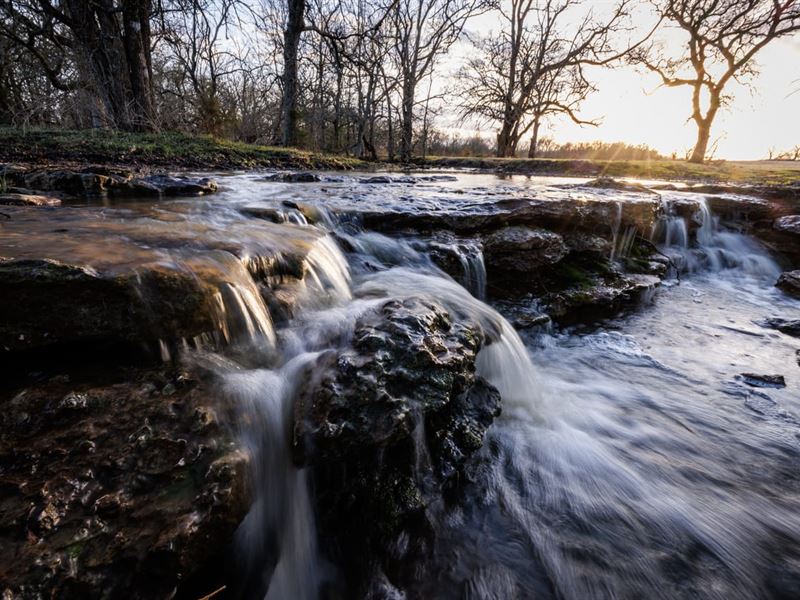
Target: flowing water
{"points": [[630, 461]]}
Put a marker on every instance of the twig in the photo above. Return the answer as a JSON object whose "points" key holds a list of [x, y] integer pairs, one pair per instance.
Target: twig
{"points": [[212, 594]]}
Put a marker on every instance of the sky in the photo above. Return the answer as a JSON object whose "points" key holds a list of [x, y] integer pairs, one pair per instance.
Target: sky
{"points": [[633, 108]]}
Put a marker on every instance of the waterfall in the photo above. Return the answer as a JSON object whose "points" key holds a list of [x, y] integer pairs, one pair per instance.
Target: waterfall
{"points": [[714, 248], [473, 268], [276, 542]]}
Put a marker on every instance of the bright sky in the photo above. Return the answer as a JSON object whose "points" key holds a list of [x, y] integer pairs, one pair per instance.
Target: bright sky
{"points": [[634, 109]]}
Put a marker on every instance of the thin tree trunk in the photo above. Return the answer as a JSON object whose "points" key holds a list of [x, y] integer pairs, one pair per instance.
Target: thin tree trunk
{"points": [[407, 124], [534, 138], [390, 129]]}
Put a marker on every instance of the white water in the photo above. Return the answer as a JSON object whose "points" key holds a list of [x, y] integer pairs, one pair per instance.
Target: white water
{"points": [[715, 249], [628, 463]]}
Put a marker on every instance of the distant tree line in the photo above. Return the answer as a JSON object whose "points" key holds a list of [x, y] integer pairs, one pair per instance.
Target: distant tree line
{"points": [[362, 77], [443, 144]]}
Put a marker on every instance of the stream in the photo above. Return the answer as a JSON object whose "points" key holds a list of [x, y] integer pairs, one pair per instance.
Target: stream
{"points": [[632, 458]]}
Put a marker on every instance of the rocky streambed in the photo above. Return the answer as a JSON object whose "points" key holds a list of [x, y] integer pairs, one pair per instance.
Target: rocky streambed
{"points": [[313, 385]]}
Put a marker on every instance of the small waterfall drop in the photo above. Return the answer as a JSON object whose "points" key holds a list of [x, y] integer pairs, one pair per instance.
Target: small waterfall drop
{"points": [[276, 542], [714, 248]]}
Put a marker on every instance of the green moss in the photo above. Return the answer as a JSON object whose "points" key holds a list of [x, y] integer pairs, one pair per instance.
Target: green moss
{"points": [[172, 148]]}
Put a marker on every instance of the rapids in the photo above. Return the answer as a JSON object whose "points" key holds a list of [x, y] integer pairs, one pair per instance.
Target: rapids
{"points": [[631, 459]]}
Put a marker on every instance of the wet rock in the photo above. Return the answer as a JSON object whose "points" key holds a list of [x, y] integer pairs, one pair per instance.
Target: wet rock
{"points": [[598, 296], [740, 208], [599, 216], [386, 427], [608, 183], [294, 177], [115, 183], [26, 199], [167, 185], [784, 237], [788, 224], [386, 179], [768, 381], [787, 326], [522, 249], [47, 302], [789, 282], [78, 275], [109, 491]]}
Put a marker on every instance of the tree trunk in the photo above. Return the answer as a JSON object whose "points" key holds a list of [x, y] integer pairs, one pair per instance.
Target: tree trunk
{"points": [[701, 145], [136, 31], [390, 129], [534, 138], [291, 44], [407, 124]]}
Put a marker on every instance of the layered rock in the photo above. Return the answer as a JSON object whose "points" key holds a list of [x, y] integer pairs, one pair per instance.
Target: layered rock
{"points": [[124, 488], [28, 199], [101, 181], [77, 275]]}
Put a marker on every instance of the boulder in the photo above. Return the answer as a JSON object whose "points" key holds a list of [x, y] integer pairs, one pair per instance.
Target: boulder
{"points": [[294, 177], [124, 489], [789, 282], [386, 427], [114, 182], [522, 250]]}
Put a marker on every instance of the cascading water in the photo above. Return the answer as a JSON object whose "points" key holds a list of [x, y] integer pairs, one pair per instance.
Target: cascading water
{"points": [[628, 463], [715, 249]]}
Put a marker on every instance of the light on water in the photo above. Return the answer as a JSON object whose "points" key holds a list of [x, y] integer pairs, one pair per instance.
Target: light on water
{"points": [[628, 463]]}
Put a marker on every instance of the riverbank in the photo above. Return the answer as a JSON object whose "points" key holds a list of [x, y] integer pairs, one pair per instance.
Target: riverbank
{"points": [[774, 173], [137, 151], [66, 148]]}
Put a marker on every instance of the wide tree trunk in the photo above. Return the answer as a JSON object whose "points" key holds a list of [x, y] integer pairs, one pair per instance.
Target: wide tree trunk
{"points": [[291, 44], [136, 31], [407, 117], [508, 136], [701, 145]]}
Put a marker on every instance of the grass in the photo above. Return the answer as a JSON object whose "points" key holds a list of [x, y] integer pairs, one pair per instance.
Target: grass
{"points": [[180, 150], [155, 149], [739, 172]]}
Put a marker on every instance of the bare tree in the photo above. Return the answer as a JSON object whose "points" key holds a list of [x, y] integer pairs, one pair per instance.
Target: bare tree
{"points": [[424, 30], [535, 66], [108, 42], [723, 37]]}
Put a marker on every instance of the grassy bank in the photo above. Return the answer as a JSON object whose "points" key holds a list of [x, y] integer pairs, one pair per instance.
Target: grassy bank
{"points": [[751, 172], [172, 150], [184, 151]]}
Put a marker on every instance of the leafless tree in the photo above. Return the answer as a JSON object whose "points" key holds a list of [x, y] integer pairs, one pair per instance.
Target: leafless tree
{"points": [[535, 67], [108, 43], [723, 38], [424, 30]]}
